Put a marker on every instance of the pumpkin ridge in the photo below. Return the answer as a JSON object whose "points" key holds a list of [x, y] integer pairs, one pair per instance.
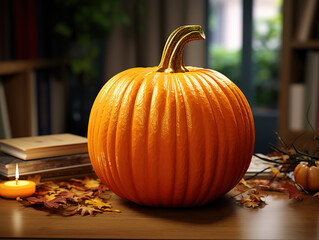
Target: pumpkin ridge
{"points": [[142, 144], [111, 100], [112, 134], [195, 168], [168, 130], [202, 85], [99, 133], [247, 119], [196, 81], [184, 161], [125, 121], [174, 186], [153, 141], [94, 117], [161, 171], [237, 125], [229, 166], [241, 125], [149, 190], [248, 124], [181, 139], [219, 118]]}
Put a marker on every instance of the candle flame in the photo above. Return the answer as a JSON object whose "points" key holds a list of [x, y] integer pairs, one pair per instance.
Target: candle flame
{"points": [[17, 173]]}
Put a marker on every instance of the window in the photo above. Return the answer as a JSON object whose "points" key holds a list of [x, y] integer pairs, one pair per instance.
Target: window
{"points": [[244, 39]]}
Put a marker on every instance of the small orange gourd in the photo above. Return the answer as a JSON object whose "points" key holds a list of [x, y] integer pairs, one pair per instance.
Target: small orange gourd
{"points": [[171, 135], [307, 176]]}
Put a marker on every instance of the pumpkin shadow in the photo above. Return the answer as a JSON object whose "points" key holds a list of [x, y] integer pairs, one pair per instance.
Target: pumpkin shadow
{"points": [[215, 211]]}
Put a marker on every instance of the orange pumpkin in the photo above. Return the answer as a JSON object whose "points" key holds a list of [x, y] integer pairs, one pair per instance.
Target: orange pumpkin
{"points": [[307, 176], [171, 135]]}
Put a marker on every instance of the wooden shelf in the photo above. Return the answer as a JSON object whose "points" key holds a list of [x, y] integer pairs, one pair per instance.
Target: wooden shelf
{"points": [[308, 45], [20, 83], [293, 70], [13, 67]]}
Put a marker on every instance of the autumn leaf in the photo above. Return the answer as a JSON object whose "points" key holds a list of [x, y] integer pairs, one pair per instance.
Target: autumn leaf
{"points": [[246, 184], [66, 194], [247, 202], [85, 210], [102, 188], [35, 200], [91, 183], [293, 191], [98, 203], [71, 197], [55, 202], [276, 172]]}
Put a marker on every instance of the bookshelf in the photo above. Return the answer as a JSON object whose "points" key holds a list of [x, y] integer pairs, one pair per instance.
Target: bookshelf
{"points": [[20, 81], [33, 75], [297, 46]]}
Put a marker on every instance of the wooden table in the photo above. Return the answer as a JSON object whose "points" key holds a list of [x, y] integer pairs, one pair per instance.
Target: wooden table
{"points": [[281, 218]]}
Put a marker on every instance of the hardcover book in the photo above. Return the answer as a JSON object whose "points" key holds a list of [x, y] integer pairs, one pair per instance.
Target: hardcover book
{"points": [[45, 167], [27, 148]]}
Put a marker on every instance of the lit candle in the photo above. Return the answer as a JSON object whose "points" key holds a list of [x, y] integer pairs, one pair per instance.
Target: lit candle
{"points": [[17, 188]]}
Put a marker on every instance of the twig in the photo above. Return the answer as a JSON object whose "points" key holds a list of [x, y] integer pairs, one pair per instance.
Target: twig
{"points": [[269, 160], [304, 154], [256, 174]]}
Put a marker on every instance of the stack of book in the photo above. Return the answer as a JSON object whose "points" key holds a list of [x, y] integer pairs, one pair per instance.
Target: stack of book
{"points": [[48, 156]]}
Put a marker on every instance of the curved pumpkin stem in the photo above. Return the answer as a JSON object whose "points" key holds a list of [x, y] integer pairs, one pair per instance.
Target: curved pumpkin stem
{"points": [[173, 54]]}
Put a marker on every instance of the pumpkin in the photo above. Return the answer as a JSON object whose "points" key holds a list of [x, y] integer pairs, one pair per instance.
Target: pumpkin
{"points": [[171, 135], [307, 176]]}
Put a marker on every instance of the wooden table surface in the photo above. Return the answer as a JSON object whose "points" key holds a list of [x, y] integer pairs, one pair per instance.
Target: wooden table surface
{"points": [[281, 218]]}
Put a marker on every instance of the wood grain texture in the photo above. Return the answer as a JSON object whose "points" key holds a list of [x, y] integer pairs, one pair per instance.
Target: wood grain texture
{"points": [[281, 218]]}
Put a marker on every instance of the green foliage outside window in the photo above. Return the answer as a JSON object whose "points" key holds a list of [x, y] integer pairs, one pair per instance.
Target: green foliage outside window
{"points": [[266, 56]]}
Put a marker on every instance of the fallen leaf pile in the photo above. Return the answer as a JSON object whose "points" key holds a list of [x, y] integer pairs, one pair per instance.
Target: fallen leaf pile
{"points": [[249, 195], [86, 196], [250, 191]]}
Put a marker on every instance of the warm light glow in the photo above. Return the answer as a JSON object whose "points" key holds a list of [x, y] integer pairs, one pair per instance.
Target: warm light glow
{"points": [[13, 183], [17, 171]]}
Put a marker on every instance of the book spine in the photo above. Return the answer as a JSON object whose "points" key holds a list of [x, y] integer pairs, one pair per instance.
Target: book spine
{"points": [[43, 101], [312, 82], [307, 20], [58, 108], [5, 130], [31, 27], [296, 107], [20, 28]]}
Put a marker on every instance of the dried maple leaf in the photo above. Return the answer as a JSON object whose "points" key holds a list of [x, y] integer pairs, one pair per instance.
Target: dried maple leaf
{"points": [[66, 194], [98, 203], [293, 191], [91, 183], [35, 200], [246, 184], [82, 196], [251, 198], [55, 202], [243, 186], [276, 172], [84, 210]]}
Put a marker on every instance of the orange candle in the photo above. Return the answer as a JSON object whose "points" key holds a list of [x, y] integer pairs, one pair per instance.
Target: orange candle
{"points": [[17, 188]]}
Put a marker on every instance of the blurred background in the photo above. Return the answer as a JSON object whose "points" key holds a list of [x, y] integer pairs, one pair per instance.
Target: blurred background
{"points": [[56, 54]]}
